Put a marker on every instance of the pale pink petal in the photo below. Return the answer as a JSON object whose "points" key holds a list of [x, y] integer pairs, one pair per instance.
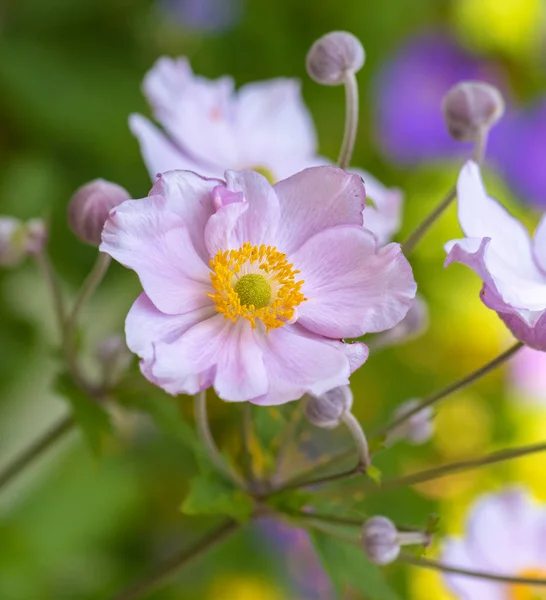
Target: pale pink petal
{"points": [[383, 216], [356, 352], [196, 112], [500, 533], [534, 335], [145, 326], [316, 199], [227, 353], [539, 245], [190, 196], [299, 362], [158, 152], [283, 167], [455, 554], [153, 241], [219, 232], [352, 287], [257, 225], [272, 121]]}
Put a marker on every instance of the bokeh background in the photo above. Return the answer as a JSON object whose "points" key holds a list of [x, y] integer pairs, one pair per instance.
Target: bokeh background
{"points": [[76, 526]]}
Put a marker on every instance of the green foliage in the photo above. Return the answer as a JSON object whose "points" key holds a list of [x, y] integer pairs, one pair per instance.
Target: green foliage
{"points": [[290, 501], [92, 417], [348, 567], [210, 494]]}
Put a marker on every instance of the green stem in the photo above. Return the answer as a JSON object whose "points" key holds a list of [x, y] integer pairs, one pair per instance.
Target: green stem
{"points": [[52, 283], [246, 432], [177, 562], [202, 422], [351, 120], [54, 434], [90, 284], [437, 566], [299, 482], [452, 387]]}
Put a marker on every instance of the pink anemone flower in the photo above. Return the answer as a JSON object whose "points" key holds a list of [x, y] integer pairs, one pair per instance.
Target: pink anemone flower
{"points": [[499, 249], [250, 288]]}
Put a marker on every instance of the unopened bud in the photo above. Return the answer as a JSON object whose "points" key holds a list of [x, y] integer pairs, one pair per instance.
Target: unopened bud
{"points": [[114, 358], [382, 540], [416, 430], [327, 410], [471, 107], [89, 208], [19, 239], [334, 55]]}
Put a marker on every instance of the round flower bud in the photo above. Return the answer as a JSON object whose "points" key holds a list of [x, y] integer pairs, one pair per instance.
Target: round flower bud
{"points": [[380, 540], [326, 410], [471, 107], [416, 430], [89, 208], [334, 55], [36, 236]]}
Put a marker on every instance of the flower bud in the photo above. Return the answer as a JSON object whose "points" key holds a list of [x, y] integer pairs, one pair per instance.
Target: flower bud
{"points": [[327, 410], [470, 107], [114, 358], [89, 208], [416, 430], [334, 55], [382, 540], [18, 239]]}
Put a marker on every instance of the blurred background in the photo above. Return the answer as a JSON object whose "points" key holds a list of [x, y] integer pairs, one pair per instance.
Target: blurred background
{"points": [[75, 526]]}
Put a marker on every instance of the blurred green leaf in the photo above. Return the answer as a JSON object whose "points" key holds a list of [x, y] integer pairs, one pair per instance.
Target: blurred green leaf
{"points": [[92, 418], [209, 494], [290, 501], [348, 567], [374, 473]]}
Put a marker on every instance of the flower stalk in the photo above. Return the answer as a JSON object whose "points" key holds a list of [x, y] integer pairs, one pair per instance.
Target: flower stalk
{"points": [[359, 438], [351, 120]]}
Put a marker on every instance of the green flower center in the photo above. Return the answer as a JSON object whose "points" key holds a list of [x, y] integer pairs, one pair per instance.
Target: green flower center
{"points": [[265, 172], [253, 290]]}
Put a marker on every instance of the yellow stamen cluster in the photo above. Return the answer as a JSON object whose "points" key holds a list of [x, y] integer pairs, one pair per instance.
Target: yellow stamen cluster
{"points": [[259, 272]]}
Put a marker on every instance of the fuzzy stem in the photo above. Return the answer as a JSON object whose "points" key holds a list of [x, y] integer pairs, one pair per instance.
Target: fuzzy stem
{"points": [[177, 562], [432, 564], [359, 437], [54, 434], [452, 387], [351, 120], [202, 421]]}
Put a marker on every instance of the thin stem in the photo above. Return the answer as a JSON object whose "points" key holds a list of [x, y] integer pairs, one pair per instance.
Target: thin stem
{"points": [[246, 431], [332, 519], [351, 120], [459, 384], [177, 562], [481, 145], [52, 283], [464, 465], [438, 566], [90, 285], [415, 237], [299, 482], [54, 434], [290, 432], [202, 421], [359, 437]]}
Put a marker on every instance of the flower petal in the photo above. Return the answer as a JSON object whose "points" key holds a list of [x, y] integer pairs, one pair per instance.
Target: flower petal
{"points": [[219, 232], [190, 196], [216, 350], [316, 199], [539, 245], [257, 225], [153, 241], [351, 287], [455, 554], [158, 152], [273, 124], [299, 362], [196, 112]]}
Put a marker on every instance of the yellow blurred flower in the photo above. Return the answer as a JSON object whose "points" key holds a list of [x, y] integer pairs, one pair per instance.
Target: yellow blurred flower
{"points": [[244, 588]]}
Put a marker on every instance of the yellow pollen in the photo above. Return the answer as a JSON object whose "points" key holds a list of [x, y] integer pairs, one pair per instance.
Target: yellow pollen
{"points": [[255, 283], [520, 591]]}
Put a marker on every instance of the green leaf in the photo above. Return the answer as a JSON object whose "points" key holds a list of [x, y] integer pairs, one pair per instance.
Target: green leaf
{"points": [[348, 567], [209, 494], [374, 473], [290, 501], [91, 416]]}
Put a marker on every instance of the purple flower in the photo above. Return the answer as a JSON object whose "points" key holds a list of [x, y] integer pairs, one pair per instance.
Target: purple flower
{"points": [[410, 124], [498, 248], [250, 287], [505, 535]]}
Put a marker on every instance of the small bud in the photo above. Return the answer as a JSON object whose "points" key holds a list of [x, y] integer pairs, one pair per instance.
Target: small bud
{"points": [[114, 358], [471, 107], [382, 540], [18, 240], [334, 55], [327, 410], [89, 208], [418, 429]]}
